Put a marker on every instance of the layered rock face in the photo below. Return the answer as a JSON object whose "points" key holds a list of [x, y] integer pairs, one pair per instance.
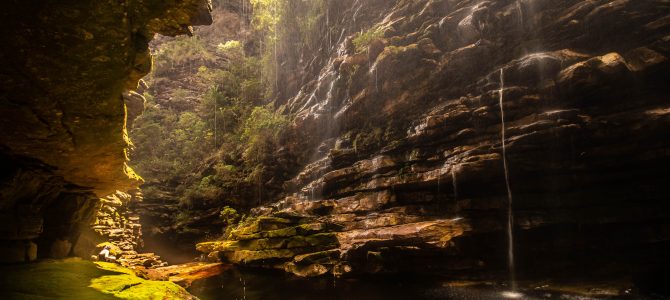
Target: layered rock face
{"points": [[399, 142], [64, 69]]}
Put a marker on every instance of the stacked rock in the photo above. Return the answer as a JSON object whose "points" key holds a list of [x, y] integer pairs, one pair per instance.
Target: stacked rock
{"points": [[121, 227]]}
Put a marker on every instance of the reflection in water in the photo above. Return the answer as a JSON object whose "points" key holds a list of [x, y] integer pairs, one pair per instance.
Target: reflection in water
{"points": [[238, 284]]}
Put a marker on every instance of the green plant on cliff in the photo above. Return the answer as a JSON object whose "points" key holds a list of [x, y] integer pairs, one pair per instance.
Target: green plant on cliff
{"points": [[211, 146], [260, 134], [183, 51], [364, 38], [229, 215]]}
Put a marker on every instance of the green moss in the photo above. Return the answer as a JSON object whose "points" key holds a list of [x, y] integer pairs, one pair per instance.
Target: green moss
{"points": [[401, 53], [369, 138], [132, 287], [208, 247], [250, 257], [249, 229], [75, 278], [284, 232], [364, 39], [114, 268]]}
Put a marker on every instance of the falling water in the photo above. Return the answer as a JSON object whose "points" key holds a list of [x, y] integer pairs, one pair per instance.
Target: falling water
{"points": [[510, 217], [520, 12], [215, 129], [454, 182], [330, 39], [439, 174]]}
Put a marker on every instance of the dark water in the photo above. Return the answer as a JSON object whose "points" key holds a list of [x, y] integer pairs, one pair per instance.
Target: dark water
{"points": [[270, 285]]}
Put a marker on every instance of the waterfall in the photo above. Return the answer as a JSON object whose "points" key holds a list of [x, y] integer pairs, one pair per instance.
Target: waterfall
{"points": [[244, 288], [510, 216], [439, 174], [454, 182], [215, 138]]}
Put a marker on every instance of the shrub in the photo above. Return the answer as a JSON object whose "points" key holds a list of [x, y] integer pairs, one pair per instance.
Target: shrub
{"points": [[364, 39], [229, 215]]}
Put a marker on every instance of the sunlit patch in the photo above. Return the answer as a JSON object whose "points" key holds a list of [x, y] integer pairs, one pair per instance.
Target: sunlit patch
{"points": [[511, 295]]}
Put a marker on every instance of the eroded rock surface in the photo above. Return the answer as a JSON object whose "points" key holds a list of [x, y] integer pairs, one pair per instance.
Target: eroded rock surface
{"points": [[399, 143], [64, 69]]}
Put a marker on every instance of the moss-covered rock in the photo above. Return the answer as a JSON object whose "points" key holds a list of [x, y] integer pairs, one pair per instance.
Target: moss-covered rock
{"points": [[79, 279], [208, 247], [250, 228], [302, 229], [257, 257], [323, 240]]}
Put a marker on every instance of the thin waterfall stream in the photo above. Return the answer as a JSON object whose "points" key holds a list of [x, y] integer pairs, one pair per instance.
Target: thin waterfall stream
{"points": [[510, 215]]}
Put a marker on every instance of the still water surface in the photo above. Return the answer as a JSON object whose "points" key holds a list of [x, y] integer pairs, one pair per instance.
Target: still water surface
{"points": [[244, 284]]}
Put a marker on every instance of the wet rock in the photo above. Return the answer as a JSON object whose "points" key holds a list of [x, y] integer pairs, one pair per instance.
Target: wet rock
{"points": [[414, 179], [185, 274], [312, 270]]}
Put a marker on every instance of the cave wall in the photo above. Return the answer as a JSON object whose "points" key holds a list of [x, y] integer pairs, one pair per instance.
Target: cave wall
{"points": [[65, 69], [398, 145]]}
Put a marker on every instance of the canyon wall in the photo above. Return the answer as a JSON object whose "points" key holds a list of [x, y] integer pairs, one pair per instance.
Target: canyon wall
{"points": [[396, 141], [65, 69]]}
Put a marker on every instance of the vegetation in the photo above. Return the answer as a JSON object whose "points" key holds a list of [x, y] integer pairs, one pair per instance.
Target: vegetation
{"points": [[212, 141], [75, 278], [229, 216], [364, 39], [286, 28], [182, 51]]}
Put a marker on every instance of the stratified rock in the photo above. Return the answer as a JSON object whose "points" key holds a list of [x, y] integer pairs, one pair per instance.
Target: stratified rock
{"points": [[185, 274], [398, 143]]}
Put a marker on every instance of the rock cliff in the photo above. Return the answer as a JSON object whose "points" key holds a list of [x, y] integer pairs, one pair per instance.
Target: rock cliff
{"points": [[65, 68], [396, 141]]}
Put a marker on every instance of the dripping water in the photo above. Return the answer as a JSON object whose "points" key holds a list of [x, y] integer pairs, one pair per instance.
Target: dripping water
{"points": [[330, 39], [520, 12], [454, 182], [244, 288], [510, 216], [439, 174], [215, 126]]}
